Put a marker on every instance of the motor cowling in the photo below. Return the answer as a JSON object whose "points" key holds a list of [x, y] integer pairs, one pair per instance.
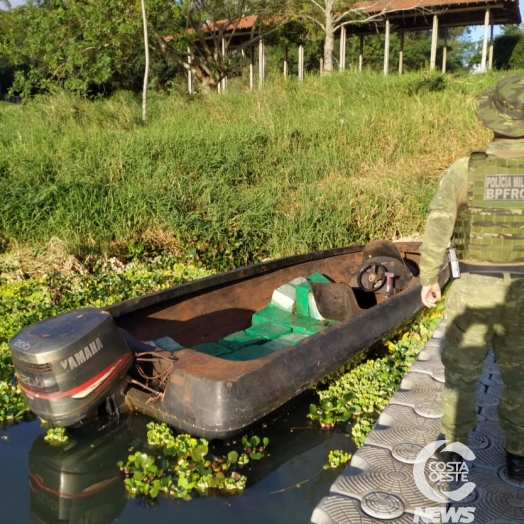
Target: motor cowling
{"points": [[68, 365]]}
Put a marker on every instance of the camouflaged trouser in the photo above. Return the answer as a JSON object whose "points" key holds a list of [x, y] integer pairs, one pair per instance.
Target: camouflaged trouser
{"points": [[483, 312]]}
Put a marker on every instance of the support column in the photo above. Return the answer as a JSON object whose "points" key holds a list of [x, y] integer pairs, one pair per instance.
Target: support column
{"points": [[189, 73], [224, 80], [401, 54], [483, 66], [251, 67], [434, 41], [386, 48], [445, 51], [361, 53], [301, 63], [342, 56], [286, 66], [490, 59], [261, 64]]}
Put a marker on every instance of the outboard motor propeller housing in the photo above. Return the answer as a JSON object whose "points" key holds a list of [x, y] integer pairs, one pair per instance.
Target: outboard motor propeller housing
{"points": [[68, 365]]}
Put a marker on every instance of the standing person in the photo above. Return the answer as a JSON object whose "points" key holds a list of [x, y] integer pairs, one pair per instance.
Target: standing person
{"points": [[480, 203]]}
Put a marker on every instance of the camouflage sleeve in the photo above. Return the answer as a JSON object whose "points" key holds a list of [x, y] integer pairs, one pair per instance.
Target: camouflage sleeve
{"points": [[440, 221]]}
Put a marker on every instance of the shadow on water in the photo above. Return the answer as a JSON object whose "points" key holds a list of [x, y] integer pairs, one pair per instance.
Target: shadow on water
{"points": [[79, 483]]}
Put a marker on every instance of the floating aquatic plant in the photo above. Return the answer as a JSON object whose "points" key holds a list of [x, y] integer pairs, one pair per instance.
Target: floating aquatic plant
{"points": [[56, 436], [336, 458], [182, 464], [361, 390]]}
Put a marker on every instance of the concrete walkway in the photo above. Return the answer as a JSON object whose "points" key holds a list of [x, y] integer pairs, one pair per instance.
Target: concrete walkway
{"points": [[379, 486]]}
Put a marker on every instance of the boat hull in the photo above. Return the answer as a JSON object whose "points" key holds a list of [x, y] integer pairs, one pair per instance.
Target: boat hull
{"points": [[216, 398]]}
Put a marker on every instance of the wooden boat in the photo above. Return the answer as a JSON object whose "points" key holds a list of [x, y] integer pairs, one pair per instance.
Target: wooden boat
{"points": [[69, 365]]}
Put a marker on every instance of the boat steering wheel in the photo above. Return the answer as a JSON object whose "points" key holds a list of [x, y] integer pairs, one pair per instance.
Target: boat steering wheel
{"points": [[371, 277]]}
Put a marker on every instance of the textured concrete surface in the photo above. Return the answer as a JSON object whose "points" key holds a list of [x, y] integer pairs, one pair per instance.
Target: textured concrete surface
{"points": [[379, 486]]}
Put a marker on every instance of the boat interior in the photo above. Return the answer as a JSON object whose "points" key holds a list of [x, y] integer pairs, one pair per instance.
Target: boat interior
{"points": [[208, 310]]}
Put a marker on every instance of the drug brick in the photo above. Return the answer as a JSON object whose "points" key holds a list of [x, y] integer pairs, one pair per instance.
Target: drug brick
{"points": [[249, 353], [240, 339], [291, 339], [307, 326], [313, 309], [274, 314], [302, 298], [319, 277], [268, 330], [275, 345], [284, 296], [213, 349], [168, 344]]}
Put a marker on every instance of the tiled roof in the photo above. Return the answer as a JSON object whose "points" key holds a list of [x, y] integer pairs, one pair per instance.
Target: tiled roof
{"points": [[403, 5]]}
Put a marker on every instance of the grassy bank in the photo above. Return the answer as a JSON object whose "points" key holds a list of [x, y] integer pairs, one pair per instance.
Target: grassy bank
{"points": [[233, 178]]}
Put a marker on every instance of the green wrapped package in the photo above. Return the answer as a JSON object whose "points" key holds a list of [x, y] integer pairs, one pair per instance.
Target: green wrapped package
{"points": [[274, 314], [318, 277], [302, 299], [213, 349], [240, 339], [268, 330], [249, 353], [307, 326], [291, 339]]}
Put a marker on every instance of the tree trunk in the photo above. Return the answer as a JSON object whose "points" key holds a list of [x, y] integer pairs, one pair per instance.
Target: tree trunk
{"points": [[329, 44], [146, 70]]}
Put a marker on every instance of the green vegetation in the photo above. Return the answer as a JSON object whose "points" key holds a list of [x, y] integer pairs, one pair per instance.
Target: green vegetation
{"points": [[25, 301], [182, 465], [336, 458], [56, 436], [232, 179], [362, 388]]}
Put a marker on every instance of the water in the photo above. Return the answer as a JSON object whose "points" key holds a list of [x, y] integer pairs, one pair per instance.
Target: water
{"points": [[282, 488]]}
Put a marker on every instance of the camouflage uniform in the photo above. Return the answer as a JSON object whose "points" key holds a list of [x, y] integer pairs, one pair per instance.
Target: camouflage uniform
{"points": [[483, 310]]}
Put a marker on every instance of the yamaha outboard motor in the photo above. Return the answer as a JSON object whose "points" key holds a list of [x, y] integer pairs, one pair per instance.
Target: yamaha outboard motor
{"points": [[69, 365]]}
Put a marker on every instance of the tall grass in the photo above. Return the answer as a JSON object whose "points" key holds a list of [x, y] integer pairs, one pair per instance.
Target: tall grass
{"points": [[236, 177]]}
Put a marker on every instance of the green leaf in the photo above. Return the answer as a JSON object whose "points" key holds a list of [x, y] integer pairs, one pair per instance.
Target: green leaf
{"points": [[232, 456]]}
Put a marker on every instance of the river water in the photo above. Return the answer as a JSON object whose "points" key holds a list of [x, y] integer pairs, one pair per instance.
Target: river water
{"points": [[283, 487]]}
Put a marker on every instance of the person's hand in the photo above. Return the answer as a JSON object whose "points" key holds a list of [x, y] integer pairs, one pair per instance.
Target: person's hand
{"points": [[430, 295]]}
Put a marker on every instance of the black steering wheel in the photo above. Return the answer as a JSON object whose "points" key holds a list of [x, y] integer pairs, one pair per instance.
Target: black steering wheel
{"points": [[371, 277]]}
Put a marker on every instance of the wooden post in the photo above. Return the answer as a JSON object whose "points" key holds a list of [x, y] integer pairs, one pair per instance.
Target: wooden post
{"points": [[434, 41], [189, 73], [490, 59], [321, 65], [401, 54], [251, 67], [445, 50], [361, 53], [301, 63], [286, 66], [342, 57], [483, 66], [224, 80], [261, 64], [386, 48]]}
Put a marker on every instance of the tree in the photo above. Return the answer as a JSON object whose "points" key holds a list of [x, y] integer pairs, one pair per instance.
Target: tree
{"points": [[86, 46], [507, 48], [327, 17], [209, 29]]}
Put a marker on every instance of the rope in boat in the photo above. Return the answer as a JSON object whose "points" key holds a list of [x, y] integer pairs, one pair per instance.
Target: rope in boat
{"points": [[152, 357]]}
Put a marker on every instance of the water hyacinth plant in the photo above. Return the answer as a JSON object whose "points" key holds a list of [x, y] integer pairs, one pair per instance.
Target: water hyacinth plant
{"points": [[181, 465], [336, 458], [56, 436], [361, 390]]}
